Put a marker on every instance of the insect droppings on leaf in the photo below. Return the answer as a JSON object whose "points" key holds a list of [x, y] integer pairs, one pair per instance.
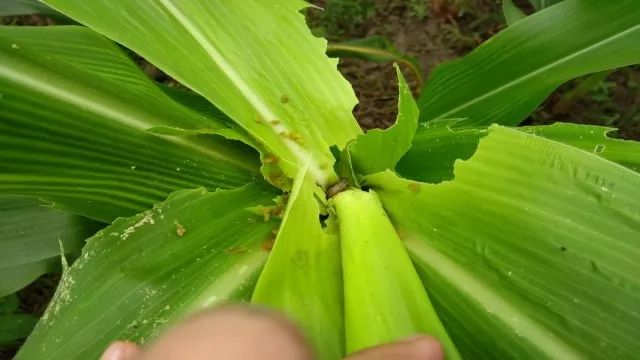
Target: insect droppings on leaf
{"points": [[235, 250], [414, 187], [277, 178], [180, 230], [281, 204], [270, 159], [293, 136], [277, 211], [284, 99], [268, 245], [266, 213]]}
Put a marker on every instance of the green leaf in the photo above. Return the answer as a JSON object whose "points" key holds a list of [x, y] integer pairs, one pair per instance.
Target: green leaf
{"points": [[256, 61], [139, 275], [512, 12], [30, 230], [14, 278], [531, 255], [15, 327], [197, 103], [436, 146], [191, 100], [583, 87], [374, 48], [91, 55], [507, 77], [384, 299], [541, 4], [302, 277], [75, 114], [592, 139], [25, 7], [9, 304], [30, 238], [378, 150], [344, 169]]}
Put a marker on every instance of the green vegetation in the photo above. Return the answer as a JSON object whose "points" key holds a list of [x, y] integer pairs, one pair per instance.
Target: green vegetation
{"points": [[254, 183], [418, 8], [339, 16]]}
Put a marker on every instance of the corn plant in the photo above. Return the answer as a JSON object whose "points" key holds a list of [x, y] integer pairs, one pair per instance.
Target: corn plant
{"points": [[257, 185]]}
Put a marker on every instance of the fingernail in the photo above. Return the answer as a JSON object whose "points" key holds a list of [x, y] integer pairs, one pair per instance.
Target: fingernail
{"points": [[121, 350]]}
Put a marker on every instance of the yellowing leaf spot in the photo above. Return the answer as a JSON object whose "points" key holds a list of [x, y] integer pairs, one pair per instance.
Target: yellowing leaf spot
{"points": [[236, 250], [180, 230], [270, 159], [293, 136], [414, 187], [277, 178], [266, 213]]}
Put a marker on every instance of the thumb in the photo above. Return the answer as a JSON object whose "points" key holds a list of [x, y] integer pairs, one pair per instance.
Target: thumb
{"points": [[415, 348], [231, 333]]}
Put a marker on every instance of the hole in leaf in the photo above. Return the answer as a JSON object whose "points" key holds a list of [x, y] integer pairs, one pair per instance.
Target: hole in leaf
{"points": [[323, 219]]}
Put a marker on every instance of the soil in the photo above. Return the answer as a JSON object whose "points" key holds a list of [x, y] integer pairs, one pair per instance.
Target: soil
{"points": [[435, 31], [446, 30], [33, 299], [433, 36]]}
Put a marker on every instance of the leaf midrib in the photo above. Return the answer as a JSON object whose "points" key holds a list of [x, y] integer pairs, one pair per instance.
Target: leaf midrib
{"points": [[522, 324], [534, 73], [302, 155], [21, 73]]}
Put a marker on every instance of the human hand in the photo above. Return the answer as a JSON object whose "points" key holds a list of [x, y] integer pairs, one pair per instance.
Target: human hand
{"points": [[242, 333]]}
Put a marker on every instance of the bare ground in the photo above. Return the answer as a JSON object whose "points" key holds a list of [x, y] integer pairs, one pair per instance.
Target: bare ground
{"points": [[446, 30]]}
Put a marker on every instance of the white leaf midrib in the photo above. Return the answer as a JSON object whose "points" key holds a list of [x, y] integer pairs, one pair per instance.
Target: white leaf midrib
{"points": [[107, 109], [535, 73], [302, 155], [509, 315]]}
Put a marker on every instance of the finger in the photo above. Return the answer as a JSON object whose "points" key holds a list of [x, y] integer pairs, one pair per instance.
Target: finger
{"points": [[416, 348], [231, 333], [121, 350]]}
